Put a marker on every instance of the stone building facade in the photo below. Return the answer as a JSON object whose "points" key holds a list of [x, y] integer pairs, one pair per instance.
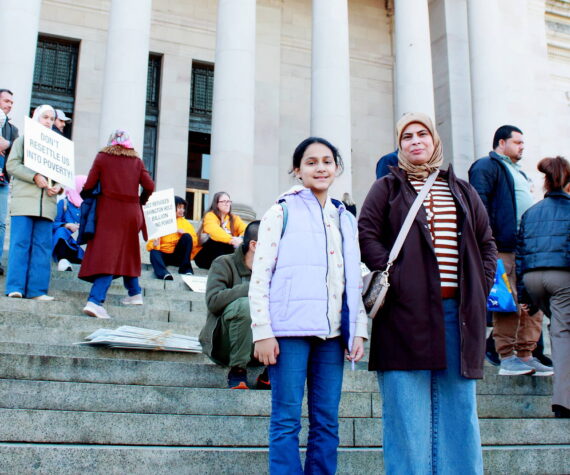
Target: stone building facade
{"points": [[219, 92]]}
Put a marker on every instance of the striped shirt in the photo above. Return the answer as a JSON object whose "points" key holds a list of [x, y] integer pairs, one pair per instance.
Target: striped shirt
{"points": [[442, 221]]}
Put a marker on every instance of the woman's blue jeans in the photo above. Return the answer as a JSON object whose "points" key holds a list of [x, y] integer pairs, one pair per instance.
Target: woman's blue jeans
{"points": [[430, 423], [101, 285], [29, 258], [320, 363]]}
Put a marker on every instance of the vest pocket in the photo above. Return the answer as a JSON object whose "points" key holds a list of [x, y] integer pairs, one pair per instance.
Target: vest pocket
{"points": [[280, 303]]}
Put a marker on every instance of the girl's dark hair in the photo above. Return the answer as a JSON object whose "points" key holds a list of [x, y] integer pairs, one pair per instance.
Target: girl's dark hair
{"points": [[214, 209], [556, 173], [302, 147]]}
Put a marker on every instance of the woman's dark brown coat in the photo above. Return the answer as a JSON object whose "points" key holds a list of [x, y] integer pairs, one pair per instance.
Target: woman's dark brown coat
{"points": [[408, 333]]}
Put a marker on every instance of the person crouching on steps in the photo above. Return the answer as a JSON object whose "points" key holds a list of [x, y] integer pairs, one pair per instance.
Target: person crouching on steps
{"points": [[174, 249], [306, 307], [226, 337]]}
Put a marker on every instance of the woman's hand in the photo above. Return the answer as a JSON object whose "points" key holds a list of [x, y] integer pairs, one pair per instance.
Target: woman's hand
{"points": [[72, 227], [266, 351], [357, 350], [156, 243], [236, 241], [54, 190], [40, 181]]}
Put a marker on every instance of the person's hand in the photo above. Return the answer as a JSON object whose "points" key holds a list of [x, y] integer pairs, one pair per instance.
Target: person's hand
{"points": [[357, 350], [181, 231], [72, 227], [54, 190], [4, 144], [156, 242], [40, 181], [236, 241], [525, 307], [266, 351]]}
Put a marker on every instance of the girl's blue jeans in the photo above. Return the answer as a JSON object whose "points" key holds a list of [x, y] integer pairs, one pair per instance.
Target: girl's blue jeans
{"points": [[101, 285], [430, 423], [29, 258], [319, 363]]}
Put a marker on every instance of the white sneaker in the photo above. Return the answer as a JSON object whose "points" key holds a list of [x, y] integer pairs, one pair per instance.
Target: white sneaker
{"points": [[15, 295], [94, 310], [43, 298], [134, 300], [63, 265]]}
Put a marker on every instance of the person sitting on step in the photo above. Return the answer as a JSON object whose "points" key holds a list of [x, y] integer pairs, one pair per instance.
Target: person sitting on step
{"points": [[65, 248], [174, 249], [226, 337]]}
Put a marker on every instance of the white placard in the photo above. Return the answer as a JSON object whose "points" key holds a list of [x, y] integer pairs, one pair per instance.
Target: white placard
{"points": [[196, 283], [49, 153], [160, 214]]}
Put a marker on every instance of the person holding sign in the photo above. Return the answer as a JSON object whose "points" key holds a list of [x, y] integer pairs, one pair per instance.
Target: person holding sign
{"points": [[114, 250], [224, 231], [32, 211], [174, 249]]}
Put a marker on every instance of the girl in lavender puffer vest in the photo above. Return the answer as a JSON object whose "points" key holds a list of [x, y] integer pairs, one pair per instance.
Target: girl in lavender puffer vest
{"points": [[306, 309]]}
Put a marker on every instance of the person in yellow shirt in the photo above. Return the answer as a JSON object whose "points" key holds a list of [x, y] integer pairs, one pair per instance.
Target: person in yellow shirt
{"points": [[224, 230], [174, 249]]}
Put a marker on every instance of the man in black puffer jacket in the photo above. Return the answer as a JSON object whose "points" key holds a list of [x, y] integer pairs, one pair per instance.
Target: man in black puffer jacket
{"points": [[505, 192]]}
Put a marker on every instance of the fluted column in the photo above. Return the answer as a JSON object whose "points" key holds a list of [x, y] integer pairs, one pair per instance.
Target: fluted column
{"points": [[233, 118], [123, 102], [414, 78], [19, 37], [487, 77], [330, 82]]}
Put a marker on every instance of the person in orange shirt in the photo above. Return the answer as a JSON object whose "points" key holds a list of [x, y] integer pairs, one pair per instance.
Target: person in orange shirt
{"points": [[224, 230], [174, 249]]}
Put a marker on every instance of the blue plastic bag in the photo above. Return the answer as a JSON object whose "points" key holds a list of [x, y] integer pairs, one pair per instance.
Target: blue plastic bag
{"points": [[501, 296]]}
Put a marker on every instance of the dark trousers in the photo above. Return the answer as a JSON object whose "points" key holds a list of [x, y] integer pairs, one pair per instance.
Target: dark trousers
{"points": [[210, 250], [62, 251], [180, 257]]}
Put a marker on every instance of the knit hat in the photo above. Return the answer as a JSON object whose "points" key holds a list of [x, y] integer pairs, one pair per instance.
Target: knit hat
{"points": [[120, 137]]}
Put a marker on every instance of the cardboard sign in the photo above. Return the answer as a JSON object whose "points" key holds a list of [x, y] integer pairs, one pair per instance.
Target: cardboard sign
{"points": [[160, 214], [49, 153]]}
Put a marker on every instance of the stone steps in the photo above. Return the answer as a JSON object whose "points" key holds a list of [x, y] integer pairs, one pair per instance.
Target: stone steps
{"points": [[60, 459], [116, 428], [69, 396]]}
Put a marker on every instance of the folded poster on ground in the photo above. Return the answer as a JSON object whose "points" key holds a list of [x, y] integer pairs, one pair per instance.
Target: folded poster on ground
{"points": [[136, 338], [196, 283]]}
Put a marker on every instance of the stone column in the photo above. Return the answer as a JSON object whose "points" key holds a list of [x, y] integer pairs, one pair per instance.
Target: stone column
{"points": [[123, 102], [330, 83], [18, 37], [487, 77], [413, 68], [233, 117]]}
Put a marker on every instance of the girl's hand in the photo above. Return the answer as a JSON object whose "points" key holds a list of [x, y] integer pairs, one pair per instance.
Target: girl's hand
{"points": [[266, 351], [72, 227], [357, 350]]}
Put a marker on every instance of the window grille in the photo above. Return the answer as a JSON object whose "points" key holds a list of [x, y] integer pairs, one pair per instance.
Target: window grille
{"points": [[202, 89], [56, 66]]}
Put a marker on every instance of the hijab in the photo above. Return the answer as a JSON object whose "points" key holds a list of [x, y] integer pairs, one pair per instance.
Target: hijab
{"points": [[419, 172], [73, 194], [40, 110], [120, 137]]}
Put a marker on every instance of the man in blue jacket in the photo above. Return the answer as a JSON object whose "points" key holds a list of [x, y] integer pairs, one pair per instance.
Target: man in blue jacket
{"points": [[505, 192]]}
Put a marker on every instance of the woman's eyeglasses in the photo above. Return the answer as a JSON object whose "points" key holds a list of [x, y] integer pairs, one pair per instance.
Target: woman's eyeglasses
{"points": [[225, 202]]}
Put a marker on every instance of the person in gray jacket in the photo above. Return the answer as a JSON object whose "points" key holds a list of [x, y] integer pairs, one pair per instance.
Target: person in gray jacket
{"points": [[32, 210]]}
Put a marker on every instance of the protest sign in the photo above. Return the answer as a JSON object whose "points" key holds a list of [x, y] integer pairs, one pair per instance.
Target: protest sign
{"points": [[160, 214], [49, 153]]}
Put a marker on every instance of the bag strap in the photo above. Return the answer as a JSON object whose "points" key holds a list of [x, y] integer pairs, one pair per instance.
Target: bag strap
{"points": [[285, 216], [397, 247]]}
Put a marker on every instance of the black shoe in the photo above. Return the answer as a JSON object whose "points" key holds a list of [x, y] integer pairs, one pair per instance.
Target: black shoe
{"points": [[262, 381], [561, 411], [545, 360], [491, 353], [1, 270], [168, 277], [237, 378]]}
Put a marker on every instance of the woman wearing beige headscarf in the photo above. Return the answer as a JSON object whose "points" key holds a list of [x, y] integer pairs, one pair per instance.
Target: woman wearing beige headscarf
{"points": [[428, 340]]}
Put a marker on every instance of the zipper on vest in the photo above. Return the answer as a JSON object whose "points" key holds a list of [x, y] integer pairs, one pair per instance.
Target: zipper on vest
{"points": [[327, 260], [41, 202]]}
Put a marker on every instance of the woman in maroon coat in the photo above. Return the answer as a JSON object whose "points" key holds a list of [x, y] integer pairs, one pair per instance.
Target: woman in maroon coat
{"points": [[114, 251], [428, 340]]}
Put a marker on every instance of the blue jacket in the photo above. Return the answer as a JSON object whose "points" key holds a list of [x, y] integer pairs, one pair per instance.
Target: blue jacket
{"points": [[385, 162], [496, 187], [544, 235]]}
